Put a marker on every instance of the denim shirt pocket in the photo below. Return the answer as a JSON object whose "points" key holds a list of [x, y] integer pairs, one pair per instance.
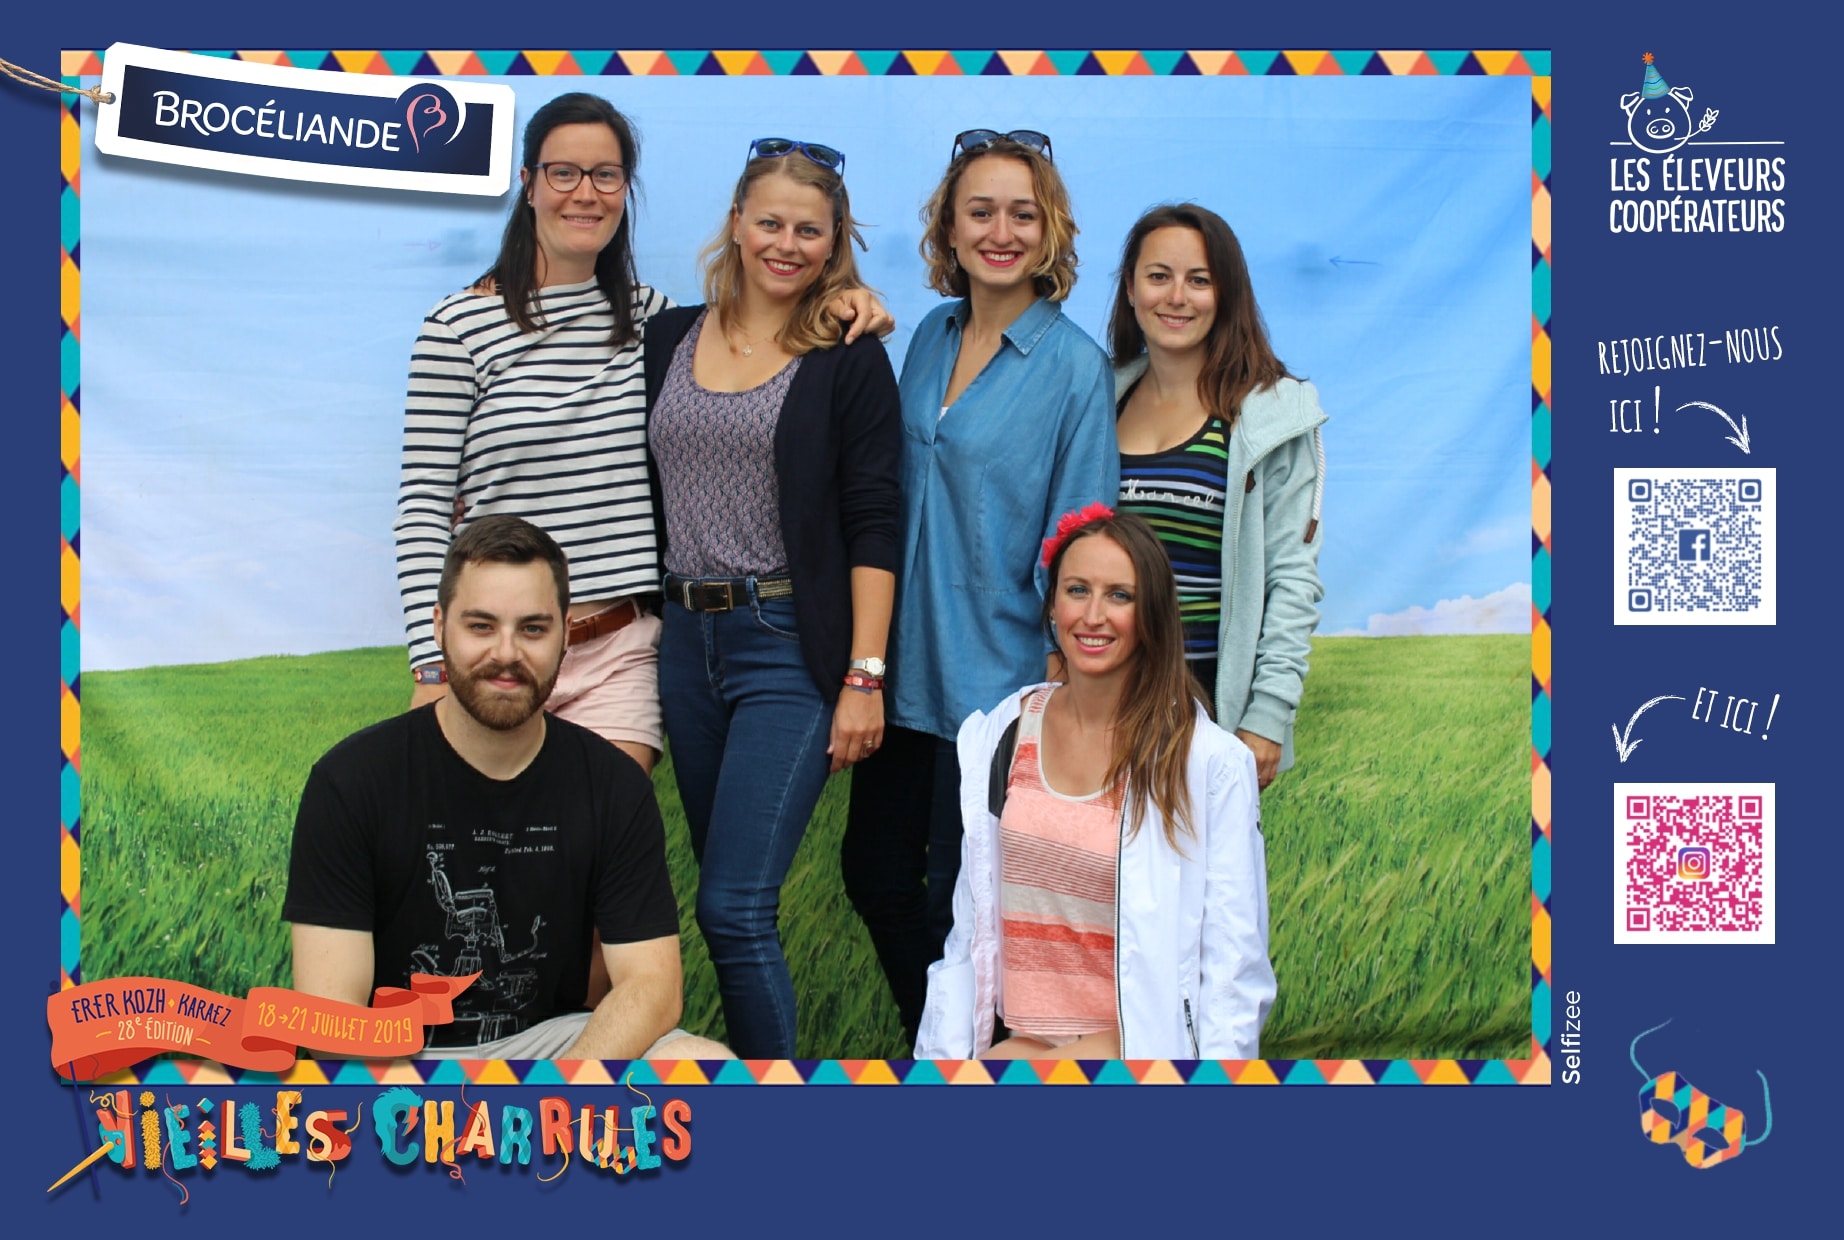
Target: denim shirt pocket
{"points": [[1008, 517]]}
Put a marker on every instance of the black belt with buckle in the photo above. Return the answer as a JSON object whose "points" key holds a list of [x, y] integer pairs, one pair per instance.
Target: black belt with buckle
{"points": [[723, 593]]}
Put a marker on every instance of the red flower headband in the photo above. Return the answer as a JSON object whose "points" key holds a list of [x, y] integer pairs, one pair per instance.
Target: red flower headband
{"points": [[1069, 523]]}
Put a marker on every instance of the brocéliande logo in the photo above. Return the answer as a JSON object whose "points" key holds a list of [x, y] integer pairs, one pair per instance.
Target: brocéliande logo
{"points": [[1668, 188], [305, 124], [422, 130]]}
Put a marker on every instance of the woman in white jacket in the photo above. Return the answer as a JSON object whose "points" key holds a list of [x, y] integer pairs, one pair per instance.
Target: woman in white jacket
{"points": [[1112, 899]]}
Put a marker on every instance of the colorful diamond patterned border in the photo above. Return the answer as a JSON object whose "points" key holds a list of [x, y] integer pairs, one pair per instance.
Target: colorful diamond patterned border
{"points": [[1532, 1071]]}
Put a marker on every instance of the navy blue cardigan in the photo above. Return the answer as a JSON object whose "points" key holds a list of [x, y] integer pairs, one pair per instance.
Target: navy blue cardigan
{"points": [[837, 450]]}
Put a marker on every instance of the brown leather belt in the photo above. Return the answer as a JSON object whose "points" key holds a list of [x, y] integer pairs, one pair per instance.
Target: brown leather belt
{"points": [[723, 593], [610, 619]]}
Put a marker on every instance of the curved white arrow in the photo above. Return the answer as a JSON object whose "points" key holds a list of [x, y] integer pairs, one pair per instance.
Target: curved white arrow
{"points": [[1621, 743], [1739, 439]]}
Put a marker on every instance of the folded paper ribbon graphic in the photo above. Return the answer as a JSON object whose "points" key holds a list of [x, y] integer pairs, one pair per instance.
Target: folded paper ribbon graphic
{"points": [[103, 1027]]}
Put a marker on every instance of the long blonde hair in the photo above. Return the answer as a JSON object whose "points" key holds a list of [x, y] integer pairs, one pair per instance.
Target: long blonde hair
{"points": [[810, 326], [1157, 716]]}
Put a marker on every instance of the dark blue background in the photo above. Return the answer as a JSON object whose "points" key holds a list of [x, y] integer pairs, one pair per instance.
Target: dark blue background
{"points": [[1561, 1160]]}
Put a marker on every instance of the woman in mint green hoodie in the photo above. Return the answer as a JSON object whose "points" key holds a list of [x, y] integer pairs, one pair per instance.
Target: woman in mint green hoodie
{"points": [[1220, 452]]}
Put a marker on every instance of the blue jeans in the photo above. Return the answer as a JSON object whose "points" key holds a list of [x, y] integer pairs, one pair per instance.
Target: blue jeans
{"points": [[748, 731]]}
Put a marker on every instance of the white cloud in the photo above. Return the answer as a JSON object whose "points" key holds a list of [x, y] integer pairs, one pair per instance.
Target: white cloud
{"points": [[1502, 611]]}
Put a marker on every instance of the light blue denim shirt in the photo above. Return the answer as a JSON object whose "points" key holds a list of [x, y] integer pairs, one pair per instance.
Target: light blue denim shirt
{"points": [[1030, 439]]}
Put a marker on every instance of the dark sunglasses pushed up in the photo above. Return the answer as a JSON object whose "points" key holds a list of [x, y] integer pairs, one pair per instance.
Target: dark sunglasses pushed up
{"points": [[773, 148], [973, 141]]}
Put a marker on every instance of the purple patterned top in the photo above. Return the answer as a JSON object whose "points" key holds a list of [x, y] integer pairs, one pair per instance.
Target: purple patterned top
{"points": [[716, 457]]}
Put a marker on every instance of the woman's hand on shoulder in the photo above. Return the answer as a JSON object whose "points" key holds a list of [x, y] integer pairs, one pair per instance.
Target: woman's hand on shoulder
{"points": [[1267, 756], [857, 727], [486, 287], [861, 311]]}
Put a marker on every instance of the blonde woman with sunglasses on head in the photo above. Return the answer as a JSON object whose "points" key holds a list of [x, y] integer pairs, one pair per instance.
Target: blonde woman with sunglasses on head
{"points": [[776, 446]]}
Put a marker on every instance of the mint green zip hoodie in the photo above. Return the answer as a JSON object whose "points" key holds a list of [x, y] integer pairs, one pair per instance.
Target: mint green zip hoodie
{"points": [[1271, 539]]}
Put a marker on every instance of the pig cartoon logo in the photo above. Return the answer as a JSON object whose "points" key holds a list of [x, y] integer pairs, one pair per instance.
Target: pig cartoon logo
{"points": [[1658, 116]]}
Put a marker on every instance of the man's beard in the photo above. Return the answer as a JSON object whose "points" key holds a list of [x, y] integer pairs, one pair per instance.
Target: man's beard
{"points": [[493, 708]]}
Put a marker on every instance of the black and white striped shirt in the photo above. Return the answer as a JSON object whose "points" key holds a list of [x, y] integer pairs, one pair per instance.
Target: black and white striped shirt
{"points": [[545, 425]]}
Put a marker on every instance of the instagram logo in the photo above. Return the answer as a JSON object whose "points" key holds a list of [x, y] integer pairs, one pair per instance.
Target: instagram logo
{"points": [[1693, 863]]}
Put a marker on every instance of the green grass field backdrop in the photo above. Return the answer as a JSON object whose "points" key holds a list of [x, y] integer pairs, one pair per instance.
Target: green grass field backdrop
{"points": [[1398, 848]]}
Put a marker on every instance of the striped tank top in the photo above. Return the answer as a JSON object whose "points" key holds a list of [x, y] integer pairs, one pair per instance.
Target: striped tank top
{"points": [[1181, 493], [1056, 897]]}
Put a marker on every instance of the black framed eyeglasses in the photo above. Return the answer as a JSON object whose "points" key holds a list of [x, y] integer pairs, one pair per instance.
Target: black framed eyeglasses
{"points": [[774, 148], [972, 141], [607, 178]]}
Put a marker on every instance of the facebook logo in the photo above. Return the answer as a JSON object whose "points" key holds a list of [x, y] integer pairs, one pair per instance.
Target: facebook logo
{"points": [[1694, 545]]}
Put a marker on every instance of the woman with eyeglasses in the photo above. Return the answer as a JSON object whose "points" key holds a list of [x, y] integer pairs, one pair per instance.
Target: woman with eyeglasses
{"points": [[526, 396], [775, 444], [1007, 422], [1220, 451]]}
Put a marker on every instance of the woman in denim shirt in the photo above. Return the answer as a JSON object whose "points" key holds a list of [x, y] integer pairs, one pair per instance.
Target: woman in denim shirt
{"points": [[1008, 421]]}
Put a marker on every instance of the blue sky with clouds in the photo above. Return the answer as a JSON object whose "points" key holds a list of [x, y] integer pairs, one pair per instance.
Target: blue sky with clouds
{"points": [[245, 339]]}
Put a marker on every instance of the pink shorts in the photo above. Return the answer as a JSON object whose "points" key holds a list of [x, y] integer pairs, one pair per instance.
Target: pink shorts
{"points": [[610, 684]]}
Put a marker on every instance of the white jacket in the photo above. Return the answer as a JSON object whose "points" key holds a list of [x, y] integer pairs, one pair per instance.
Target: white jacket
{"points": [[1192, 978]]}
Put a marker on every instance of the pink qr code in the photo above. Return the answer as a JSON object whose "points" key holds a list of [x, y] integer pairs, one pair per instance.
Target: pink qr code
{"points": [[1693, 863]]}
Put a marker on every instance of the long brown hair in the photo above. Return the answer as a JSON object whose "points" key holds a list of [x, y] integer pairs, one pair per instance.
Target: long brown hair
{"points": [[811, 326], [1238, 359], [1054, 276], [1157, 717], [515, 271]]}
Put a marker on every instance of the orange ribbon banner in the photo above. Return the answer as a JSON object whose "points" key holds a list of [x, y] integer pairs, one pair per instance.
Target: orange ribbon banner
{"points": [[103, 1027]]}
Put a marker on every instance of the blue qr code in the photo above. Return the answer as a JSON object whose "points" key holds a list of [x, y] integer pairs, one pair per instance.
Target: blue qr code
{"points": [[1694, 544]]}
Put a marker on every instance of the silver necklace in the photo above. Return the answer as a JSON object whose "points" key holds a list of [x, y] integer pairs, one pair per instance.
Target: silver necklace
{"points": [[748, 349]]}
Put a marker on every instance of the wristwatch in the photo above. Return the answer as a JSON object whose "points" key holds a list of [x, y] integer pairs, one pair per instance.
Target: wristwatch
{"points": [[872, 666]]}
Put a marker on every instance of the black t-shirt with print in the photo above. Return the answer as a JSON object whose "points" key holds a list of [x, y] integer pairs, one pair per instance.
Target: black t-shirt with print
{"points": [[453, 873]]}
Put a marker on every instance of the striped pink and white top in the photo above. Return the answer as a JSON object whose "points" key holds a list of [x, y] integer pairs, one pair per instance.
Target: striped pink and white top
{"points": [[1056, 897]]}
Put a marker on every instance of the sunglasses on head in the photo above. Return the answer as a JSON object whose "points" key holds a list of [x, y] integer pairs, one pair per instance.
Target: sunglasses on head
{"points": [[974, 140], [773, 148]]}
